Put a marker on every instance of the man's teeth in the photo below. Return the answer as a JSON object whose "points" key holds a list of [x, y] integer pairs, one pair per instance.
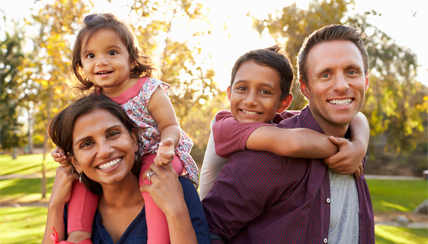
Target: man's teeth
{"points": [[109, 164], [341, 102], [248, 112]]}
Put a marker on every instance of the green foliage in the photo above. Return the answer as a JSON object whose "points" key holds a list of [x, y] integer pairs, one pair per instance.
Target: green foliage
{"points": [[11, 56], [391, 234], [22, 225], [394, 195]]}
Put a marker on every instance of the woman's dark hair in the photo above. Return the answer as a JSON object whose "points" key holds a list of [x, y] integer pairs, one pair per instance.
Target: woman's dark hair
{"points": [[144, 65], [273, 57], [60, 129]]}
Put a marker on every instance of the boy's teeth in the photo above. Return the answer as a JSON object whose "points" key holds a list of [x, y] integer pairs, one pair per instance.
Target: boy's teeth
{"points": [[248, 112], [109, 164], [341, 102]]}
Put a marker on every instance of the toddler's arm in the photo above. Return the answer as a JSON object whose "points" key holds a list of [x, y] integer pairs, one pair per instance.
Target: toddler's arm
{"points": [[59, 156], [163, 112]]}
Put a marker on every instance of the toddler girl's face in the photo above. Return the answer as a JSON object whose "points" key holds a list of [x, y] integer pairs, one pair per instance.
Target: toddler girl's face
{"points": [[106, 62]]}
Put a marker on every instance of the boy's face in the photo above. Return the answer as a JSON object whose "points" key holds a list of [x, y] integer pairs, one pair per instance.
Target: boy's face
{"points": [[255, 92]]}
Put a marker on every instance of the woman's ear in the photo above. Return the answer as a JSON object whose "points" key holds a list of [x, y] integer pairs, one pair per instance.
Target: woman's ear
{"points": [[76, 164], [134, 138]]}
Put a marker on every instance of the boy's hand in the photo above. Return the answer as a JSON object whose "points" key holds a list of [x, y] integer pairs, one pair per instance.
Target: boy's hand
{"points": [[347, 160], [59, 156], [165, 153]]}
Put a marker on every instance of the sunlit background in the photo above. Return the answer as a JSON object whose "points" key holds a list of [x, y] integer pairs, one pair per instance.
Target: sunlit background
{"points": [[195, 43]]}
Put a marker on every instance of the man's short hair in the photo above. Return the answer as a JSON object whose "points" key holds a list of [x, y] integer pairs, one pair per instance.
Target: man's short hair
{"points": [[330, 33], [273, 57]]}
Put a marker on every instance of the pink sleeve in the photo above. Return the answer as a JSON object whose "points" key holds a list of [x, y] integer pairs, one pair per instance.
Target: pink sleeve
{"points": [[230, 136]]}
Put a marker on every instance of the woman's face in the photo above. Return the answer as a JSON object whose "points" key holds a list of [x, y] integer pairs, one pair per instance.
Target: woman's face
{"points": [[103, 148]]}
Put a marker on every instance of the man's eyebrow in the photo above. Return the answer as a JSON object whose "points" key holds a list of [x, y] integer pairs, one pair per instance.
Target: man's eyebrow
{"points": [[354, 66]]}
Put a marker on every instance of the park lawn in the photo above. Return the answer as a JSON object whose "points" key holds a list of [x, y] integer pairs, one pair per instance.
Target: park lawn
{"points": [[27, 165], [23, 190], [397, 195], [22, 225], [391, 234]]}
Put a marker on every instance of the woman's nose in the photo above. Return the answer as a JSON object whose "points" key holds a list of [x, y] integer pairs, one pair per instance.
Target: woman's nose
{"points": [[104, 150]]}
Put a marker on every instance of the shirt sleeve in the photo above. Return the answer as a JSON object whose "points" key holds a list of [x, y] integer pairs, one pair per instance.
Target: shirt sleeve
{"points": [[211, 166], [230, 135], [241, 192], [196, 211]]}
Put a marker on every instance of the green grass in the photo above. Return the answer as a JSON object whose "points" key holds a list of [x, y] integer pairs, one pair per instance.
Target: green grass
{"points": [[391, 234], [22, 225], [23, 190], [27, 164], [397, 195]]}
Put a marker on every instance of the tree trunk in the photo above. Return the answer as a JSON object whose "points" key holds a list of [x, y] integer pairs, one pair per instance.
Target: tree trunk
{"points": [[45, 145]]}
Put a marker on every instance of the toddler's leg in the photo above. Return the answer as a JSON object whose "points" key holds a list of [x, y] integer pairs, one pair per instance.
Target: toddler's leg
{"points": [[157, 226], [81, 211]]}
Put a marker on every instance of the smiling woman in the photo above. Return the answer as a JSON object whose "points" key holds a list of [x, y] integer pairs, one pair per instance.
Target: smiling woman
{"points": [[104, 149]]}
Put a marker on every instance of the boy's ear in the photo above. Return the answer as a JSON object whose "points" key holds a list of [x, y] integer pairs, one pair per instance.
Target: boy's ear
{"points": [[76, 164], [285, 103], [304, 88], [229, 93]]}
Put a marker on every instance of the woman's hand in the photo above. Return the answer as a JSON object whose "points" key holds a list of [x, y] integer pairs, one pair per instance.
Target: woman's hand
{"points": [[61, 190]]}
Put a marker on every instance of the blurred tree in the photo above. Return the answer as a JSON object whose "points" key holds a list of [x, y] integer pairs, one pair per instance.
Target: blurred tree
{"points": [[11, 56], [159, 26], [396, 102]]}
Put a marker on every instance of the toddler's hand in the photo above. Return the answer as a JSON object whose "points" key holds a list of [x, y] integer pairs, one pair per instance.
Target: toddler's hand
{"points": [[59, 156], [165, 153]]}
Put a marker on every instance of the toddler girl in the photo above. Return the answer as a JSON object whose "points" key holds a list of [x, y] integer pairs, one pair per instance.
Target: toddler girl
{"points": [[108, 59]]}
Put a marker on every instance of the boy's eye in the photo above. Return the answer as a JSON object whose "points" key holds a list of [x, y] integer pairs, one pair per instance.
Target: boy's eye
{"points": [[90, 55], [241, 88], [112, 52], [266, 92]]}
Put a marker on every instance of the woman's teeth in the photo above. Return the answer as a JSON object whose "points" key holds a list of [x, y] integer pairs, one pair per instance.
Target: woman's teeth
{"points": [[109, 164]]}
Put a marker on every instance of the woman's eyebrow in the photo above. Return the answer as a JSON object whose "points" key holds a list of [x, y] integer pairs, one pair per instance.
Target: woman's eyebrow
{"points": [[83, 139]]}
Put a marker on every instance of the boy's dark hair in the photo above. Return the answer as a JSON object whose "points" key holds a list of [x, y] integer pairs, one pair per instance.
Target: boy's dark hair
{"points": [[60, 129], [330, 33], [273, 57], [144, 65]]}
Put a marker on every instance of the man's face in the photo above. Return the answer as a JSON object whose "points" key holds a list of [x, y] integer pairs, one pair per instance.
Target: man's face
{"points": [[336, 82], [255, 94]]}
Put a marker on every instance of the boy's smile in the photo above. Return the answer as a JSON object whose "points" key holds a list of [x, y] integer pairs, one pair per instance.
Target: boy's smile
{"points": [[255, 94]]}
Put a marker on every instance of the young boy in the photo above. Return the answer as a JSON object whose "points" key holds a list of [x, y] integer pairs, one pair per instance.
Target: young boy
{"points": [[259, 93]]}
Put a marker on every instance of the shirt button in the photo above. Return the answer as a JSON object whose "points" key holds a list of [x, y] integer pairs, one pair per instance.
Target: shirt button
{"points": [[325, 240], [328, 201]]}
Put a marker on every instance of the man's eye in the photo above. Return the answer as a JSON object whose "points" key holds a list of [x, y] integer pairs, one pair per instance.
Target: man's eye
{"points": [[352, 72], [325, 75], [113, 52]]}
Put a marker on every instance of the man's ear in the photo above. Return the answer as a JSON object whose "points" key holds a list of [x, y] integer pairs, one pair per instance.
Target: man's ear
{"points": [[304, 88], [76, 164], [285, 103], [366, 86], [229, 93]]}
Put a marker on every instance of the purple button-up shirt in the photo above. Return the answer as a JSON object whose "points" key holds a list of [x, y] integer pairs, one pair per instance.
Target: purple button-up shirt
{"points": [[260, 197]]}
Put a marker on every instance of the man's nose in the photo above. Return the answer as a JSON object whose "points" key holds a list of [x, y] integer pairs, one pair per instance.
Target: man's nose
{"points": [[341, 83]]}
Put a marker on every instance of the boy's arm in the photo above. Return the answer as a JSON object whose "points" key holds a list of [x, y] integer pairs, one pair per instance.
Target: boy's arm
{"points": [[296, 143], [351, 154]]}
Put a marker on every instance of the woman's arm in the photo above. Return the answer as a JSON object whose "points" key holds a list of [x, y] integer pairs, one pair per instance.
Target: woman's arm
{"points": [[296, 143], [61, 193], [167, 193], [163, 113]]}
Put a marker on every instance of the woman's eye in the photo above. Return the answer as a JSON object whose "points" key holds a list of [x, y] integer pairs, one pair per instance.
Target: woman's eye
{"points": [[113, 133], [113, 52], [85, 144]]}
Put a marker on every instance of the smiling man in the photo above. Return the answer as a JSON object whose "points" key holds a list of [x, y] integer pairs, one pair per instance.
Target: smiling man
{"points": [[298, 200]]}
